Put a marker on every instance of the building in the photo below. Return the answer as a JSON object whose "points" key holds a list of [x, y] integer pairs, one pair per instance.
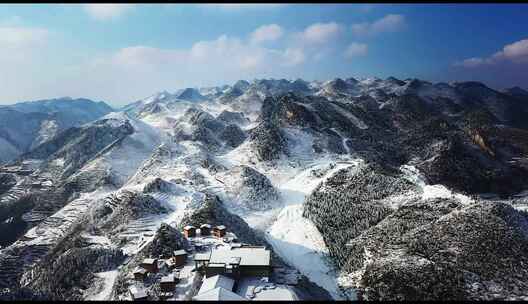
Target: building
{"points": [[189, 231], [201, 259], [151, 265], [171, 264], [168, 283], [215, 282], [219, 231], [239, 262], [205, 229], [163, 266], [230, 239], [165, 295], [140, 273], [218, 294], [218, 288], [199, 247], [137, 293], [179, 257]]}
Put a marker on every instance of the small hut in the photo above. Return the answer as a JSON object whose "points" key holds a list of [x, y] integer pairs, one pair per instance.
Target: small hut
{"points": [[140, 273], [179, 257], [137, 293], [171, 264], [168, 283], [219, 231], [189, 231], [201, 259], [164, 295], [205, 230], [151, 265]]}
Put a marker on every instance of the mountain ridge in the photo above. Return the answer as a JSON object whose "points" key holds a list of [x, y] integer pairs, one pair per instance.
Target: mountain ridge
{"points": [[332, 176]]}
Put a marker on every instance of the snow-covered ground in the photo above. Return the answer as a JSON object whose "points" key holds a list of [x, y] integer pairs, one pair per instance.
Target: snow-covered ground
{"points": [[103, 289], [292, 236], [60, 223], [431, 191], [295, 238], [261, 291]]}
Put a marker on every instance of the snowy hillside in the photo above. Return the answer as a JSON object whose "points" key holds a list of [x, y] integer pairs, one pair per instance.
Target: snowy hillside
{"points": [[338, 178], [25, 125]]}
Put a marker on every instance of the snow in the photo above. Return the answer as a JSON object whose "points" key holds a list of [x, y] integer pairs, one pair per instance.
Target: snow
{"points": [[298, 241], [432, 191], [356, 121], [292, 236], [216, 281], [295, 238], [124, 159], [48, 129], [59, 162], [344, 140], [263, 291], [105, 289], [59, 224], [141, 231]]}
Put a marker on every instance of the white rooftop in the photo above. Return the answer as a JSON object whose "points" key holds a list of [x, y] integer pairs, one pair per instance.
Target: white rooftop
{"points": [[264, 291], [216, 281], [179, 252], [202, 256], [168, 279], [218, 294], [249, 256], [137, 293], [149, 261], [139, 270]]}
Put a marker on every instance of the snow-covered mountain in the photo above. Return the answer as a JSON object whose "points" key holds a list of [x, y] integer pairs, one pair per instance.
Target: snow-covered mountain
{"points": [[25, 125], [370, 188]]}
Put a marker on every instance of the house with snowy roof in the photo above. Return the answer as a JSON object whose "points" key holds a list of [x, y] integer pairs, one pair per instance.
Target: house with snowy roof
{"points": [[217, 288], [218, 294], [239, 261]]}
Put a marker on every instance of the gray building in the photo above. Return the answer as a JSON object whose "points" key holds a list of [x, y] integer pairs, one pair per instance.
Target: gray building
{"points": [[239, 261]]}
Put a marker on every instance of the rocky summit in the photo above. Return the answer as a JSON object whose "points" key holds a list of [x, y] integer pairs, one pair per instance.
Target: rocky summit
{"points": [[357, 188]]}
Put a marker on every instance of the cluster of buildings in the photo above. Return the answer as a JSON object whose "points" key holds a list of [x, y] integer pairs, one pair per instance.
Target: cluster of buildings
{"points": [[230, 270], [167, 272], [205, 230]]}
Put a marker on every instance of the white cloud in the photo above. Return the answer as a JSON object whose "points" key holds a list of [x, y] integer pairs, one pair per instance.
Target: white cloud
{"points": [[320, 33], [516, 53], [269, 32], [389, 23], [17, 37], [126, 74], [356, 49], [471, 62], [106, 11], [137, 71], [293, 56]]}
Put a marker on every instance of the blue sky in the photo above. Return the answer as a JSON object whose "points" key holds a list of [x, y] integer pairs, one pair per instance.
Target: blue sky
{"points": [[121, 53]]}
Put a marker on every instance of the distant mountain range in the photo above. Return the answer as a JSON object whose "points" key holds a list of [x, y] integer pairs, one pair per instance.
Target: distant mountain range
{"points": [[25, 125], [372, 189]]}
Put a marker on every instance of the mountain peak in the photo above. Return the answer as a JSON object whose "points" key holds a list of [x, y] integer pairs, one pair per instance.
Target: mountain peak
{"points": [[395, 80], [516, 92], [190, 94]]}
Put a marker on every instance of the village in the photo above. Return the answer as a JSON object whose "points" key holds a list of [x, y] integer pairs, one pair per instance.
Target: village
{"points": [[216, 267]]}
